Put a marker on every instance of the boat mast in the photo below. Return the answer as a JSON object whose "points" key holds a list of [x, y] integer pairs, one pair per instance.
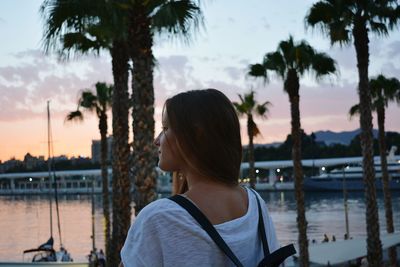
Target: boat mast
{"points": [[346, 208], [93, 230], [49, 167], [53, 175]]}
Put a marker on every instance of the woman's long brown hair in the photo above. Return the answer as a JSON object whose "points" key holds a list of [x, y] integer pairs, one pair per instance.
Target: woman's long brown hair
{"points": [[208, 134]]}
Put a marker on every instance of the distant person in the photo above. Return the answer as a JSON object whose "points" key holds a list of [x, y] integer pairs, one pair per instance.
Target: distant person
{"points": [[346, 236], [201, 140], [65, 256], [326, 239], [93, 258], [101, 258], [333, 238]]}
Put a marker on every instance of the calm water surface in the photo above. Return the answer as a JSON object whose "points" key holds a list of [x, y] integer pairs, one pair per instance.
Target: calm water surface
{"points": [[24, 220]]}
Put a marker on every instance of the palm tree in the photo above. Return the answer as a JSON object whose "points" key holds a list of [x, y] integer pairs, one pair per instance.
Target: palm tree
{"points": [[352, 20], [249, 107], [383, 91], [175, 18], [86, 26], [99, 103], [291, 61]]}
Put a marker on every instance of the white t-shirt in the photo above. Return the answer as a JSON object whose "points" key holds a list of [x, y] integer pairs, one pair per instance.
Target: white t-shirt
{"points": [[165, 234]]}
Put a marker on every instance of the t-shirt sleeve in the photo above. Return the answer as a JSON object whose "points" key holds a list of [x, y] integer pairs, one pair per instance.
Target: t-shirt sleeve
{"points": [[142, 245]]}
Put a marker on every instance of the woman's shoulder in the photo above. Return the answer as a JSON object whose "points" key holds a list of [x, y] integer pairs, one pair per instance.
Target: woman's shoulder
{"points": [[254, 195], [160, 208], [256, 199]]}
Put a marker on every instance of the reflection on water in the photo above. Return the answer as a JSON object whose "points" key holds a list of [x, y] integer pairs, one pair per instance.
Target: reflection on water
{"points": [[325, 214], [25, 224], [24, 220]]}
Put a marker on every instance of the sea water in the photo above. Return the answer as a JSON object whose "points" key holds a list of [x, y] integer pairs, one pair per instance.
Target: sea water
{"points": [[25, 220]]}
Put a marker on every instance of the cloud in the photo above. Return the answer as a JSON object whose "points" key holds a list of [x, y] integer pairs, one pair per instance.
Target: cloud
{"points": [[229, 88], [390, 70], [265, 23], [394, 50], [35, 78], [208, 59], [30, 64], [345, 57], [234, 73], [175, 74]]}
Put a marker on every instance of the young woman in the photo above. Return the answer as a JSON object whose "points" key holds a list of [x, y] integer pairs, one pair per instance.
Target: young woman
{"points": [[201, 140]]}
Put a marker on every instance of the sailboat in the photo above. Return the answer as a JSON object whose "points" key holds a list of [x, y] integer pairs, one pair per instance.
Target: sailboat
{"points": [[46, 251], [45, 255]]}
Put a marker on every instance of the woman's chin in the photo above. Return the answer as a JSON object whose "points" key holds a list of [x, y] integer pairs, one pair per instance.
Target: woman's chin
{"points": [[165, 167]]}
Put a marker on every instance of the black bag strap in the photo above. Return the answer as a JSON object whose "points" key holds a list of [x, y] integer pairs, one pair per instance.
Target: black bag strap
{"points": [[270, 260], [207, 226], [261, 228], [278, 256]]}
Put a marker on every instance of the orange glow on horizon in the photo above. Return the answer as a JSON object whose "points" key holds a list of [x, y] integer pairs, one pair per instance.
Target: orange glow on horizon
{"points": [[70, 139]]}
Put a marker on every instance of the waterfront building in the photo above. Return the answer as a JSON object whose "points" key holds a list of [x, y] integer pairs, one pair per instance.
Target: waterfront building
{"points": [[96, 150], [10, 164], [67, 182], [31, 162]]}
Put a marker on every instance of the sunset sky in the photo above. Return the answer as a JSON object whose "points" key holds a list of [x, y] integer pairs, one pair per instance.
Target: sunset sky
{"points": [[236, 33]]}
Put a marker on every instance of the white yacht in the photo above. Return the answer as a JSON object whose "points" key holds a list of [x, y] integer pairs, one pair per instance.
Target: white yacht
{"points": [[351, 177]]}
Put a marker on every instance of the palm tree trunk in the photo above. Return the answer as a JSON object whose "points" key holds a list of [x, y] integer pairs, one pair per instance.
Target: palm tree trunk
{"points": [[144, 151], [374, 246], [250, 133], [104, 174], [292, 86], [121, 198], [385, 181]]}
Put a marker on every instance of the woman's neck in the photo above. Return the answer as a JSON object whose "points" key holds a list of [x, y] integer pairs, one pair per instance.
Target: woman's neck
{"points": [[199, 182]]}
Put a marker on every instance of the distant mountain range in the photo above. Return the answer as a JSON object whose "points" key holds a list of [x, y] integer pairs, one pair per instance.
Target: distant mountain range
{"points": [[344, 138], [328, 137]]}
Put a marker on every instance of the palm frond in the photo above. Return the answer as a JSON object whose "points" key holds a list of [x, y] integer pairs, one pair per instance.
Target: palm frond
{"points": [[384, 90], [75, 41], [333, 18], [379, 28], [258, 70], [74, 116], [275, 61], [104, 94], [323, 65], [288, 52], [81, 26], [178, 18], [263, 109], [240, 109], [339, 32], [354, 110], [249, 100], [321, 14], [62, 16]]}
